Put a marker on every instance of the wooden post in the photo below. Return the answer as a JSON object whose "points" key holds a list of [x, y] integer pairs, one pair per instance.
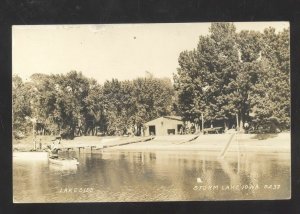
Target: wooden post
{"points": [[202, 120], [33, 135], [237, 122], [33, 128]]}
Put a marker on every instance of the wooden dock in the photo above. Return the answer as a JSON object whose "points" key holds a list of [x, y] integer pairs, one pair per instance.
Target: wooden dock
{"points": [[102, 146]]}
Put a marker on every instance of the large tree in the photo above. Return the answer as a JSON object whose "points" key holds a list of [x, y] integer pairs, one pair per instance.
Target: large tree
{"points": [[205, 76], [273, 92], [21, 106], [129, 104], [233, 74], [72, 89]]}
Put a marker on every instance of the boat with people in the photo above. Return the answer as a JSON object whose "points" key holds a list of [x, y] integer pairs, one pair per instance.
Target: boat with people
{"points": [[54, 159]]}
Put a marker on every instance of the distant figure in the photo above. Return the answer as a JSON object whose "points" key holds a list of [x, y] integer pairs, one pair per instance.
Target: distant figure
{"points": [[40, 144], [52, 147], [58, 139], [54, 153], [181, 130], [233, 126], [193, 129], [187, 130], [246, 126], [55, 143]]}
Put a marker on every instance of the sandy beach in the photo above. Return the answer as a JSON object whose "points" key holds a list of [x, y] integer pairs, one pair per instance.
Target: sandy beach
{"points": [[279, 143], [243, 142]]}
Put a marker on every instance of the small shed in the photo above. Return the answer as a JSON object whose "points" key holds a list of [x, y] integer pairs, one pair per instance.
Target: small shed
{"points": [[167, 125]]}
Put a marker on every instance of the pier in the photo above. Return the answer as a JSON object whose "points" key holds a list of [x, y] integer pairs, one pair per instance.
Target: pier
{"points": [[100, 145]]}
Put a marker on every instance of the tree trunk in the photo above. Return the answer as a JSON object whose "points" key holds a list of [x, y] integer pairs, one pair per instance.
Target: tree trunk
{"points": [[242, 120], [237, 121]]}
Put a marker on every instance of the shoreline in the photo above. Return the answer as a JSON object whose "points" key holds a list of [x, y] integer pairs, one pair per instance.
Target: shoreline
{"points": [[216, 143], [270, 143]]}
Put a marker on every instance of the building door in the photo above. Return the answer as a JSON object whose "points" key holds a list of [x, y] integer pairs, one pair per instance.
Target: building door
{"points": [[152, 130], [179, 129]]}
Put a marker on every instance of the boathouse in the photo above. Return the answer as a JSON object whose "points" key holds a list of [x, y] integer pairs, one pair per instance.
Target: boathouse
{"points": [[167, 125]]}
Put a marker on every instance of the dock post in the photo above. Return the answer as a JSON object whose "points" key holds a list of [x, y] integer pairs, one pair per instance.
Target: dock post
{"points": [[202, 121]]}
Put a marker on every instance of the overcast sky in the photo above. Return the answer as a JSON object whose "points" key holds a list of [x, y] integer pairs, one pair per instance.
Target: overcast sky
{"points": [[123, 51]]}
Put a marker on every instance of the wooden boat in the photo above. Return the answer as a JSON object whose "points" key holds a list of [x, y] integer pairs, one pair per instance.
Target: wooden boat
{"points": [[31, 155], [63, 161], [65, 170]]}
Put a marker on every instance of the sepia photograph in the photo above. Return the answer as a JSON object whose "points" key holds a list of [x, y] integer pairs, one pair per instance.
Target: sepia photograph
{"points": [[151, 112]]}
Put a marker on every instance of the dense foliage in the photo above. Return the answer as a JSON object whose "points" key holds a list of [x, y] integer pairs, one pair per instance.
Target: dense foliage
{"points": [[73, 105], [236, 76]]}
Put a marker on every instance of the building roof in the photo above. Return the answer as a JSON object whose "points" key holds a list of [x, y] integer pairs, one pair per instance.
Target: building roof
{"points": [[178, 118], [173, 117]]}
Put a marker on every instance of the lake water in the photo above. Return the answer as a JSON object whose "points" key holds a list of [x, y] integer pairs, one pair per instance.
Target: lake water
{"points": [[154, 176]]}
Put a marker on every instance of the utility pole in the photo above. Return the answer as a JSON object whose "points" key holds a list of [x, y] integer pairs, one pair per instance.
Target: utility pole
{"points": [[33, 120], [237, 122]]}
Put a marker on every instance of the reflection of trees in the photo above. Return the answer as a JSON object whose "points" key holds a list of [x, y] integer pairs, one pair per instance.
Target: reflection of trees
{"points": [[257, 169], [243, 171], [175, 174], [154, 176], [231, 171]]}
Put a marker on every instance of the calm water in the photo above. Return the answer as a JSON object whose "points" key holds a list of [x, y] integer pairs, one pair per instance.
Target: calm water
{"points": [[154, 176]]}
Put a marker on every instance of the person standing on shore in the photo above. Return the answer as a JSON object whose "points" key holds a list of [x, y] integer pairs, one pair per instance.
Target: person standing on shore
{"points": [[40, 144], [246, 126]]}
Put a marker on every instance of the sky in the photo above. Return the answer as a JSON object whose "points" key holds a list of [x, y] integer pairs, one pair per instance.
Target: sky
{"points": [[106, 51]]}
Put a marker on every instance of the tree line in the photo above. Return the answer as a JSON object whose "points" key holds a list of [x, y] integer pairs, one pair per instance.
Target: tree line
{"points": [[72, 104], [228, 78], [234, 76]]}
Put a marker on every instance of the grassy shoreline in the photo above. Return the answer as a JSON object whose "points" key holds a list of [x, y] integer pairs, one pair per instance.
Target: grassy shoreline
{"points": [[279, 143]]}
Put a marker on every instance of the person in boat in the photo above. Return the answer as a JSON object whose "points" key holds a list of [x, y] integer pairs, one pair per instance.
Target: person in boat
{"points": [[54, 153], [54, 147]]}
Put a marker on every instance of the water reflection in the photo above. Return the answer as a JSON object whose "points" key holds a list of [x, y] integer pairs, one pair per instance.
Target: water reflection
{"points": [[154, 176], [62, 169]]}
